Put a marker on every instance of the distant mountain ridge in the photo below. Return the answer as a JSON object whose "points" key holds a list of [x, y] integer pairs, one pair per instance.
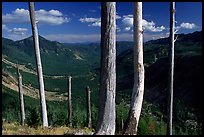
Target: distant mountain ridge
{"points": [[190, 37]]}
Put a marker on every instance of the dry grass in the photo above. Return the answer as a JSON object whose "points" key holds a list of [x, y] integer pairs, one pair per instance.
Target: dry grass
{"points": [[16, 129]]}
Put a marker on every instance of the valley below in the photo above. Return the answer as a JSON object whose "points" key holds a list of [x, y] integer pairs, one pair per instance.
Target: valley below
{"points": [[82, 62]]}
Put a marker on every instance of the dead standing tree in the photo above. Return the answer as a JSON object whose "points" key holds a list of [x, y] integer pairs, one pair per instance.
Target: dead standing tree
{"points": [[88, 105], [171, 69], [20, 88], [69, 101], [132, 121], [39, 65], [107, 112]]}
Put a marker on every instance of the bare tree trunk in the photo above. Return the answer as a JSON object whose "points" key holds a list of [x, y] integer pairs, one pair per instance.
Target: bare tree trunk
{"points": [[171, 69], [69, 101], [39, 65], [20, 88], [88, 105], [122, 124], [132, 121], [107, 114]]}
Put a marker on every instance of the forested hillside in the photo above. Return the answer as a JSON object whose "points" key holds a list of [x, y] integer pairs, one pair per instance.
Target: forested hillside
{"points": [[82, 62]]}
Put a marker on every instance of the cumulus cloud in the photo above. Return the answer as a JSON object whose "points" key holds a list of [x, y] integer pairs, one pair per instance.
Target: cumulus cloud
{"points": [[150, 26], [118, 29], [187, 25], [51, 17], [96, 22], [18, 31], [118, 17], [128, 16], [127, 23], [89, 19], [15, 33], [127, 28], [4, 27], [55, 13]]}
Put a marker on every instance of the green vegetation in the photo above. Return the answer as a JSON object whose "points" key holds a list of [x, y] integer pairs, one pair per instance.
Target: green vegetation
{"points": [[82, 62]]}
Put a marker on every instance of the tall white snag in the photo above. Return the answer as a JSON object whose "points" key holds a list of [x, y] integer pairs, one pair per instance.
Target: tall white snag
{"points": [[171, 69], [132, 121], [107, 114], [20, 88], [39, 65], [70, 101], [88, 105]]}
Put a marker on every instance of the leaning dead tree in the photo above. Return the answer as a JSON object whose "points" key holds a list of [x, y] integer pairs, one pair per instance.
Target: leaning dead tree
{"points": [[171, 69], [20, 88], [107, 112], [39, 65], [69, 101], [88, 105], [131, 124]]}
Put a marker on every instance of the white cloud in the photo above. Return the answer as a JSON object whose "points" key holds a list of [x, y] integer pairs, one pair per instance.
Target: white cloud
{"points": [[16, 33], [17, 16], [150, 26], [55, 13], [118, 17], [51, 17], [89, 19], [128, 16], [127, 22], [118, 29], [127, 28], [19, 31], [96, 22], [187, 25], [21, 12], [4, 27]]}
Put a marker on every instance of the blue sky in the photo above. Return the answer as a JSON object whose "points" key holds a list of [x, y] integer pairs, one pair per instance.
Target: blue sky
{"points": [[71, 22]]}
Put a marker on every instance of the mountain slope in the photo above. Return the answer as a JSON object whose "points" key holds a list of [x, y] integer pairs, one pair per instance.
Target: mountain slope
{"points": [[82, 61]]}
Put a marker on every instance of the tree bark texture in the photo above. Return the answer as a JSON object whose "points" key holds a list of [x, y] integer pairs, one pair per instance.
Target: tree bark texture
{"points": [[20, 88], [131, 124], [39, 65], [171, 69], [88, 105], [107, 112], [70, 101]]}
